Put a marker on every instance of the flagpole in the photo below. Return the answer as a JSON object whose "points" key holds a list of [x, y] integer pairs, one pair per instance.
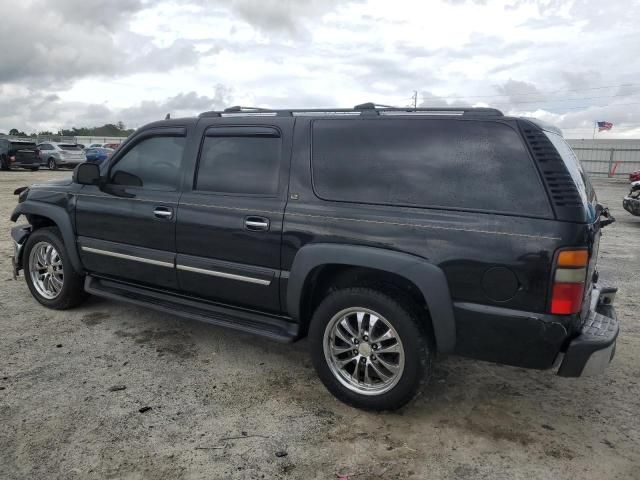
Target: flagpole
{"points": [[595, 124]]}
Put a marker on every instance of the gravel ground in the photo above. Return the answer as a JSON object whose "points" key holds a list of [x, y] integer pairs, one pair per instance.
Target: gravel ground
{"points": [[113, 391]]}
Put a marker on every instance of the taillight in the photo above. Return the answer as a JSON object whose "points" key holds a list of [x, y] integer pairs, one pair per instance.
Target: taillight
{"points": [[12, 158], [568, 281]]}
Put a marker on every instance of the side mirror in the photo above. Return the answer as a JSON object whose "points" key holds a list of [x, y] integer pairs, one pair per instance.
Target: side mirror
{"points": [[126, 179], [86, 174]]}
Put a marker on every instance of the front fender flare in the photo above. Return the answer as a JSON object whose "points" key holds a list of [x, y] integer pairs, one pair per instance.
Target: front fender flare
{"points": [[61, 218], [429, 278]]}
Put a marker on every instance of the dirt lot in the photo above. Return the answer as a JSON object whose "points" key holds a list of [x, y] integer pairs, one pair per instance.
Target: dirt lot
{"points": [[228, 405]]}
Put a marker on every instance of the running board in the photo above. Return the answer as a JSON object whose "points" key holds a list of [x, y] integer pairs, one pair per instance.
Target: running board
{"points": [[270, 326]]}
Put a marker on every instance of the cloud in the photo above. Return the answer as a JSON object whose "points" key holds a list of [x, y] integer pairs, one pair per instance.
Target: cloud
{"points": [[87, 62], [105, 13], [55, 46], [35, 112], [183, 104], [288, 17]]}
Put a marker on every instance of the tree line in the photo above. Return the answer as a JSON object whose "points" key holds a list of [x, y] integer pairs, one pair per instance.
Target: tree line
{"points": [[107, 130]]}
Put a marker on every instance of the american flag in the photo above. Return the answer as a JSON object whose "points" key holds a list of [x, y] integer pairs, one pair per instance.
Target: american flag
{"points": [[602, 126]]}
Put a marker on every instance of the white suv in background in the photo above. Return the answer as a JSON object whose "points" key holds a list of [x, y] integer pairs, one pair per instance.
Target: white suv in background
{"points": [[54, 155]]}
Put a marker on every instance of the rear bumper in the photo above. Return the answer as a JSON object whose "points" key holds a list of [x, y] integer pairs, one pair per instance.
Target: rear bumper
{"points": [[70, 161], [591, 352]]}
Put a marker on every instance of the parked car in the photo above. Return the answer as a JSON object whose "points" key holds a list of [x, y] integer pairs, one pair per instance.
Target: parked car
{"points": [[112, 146], [97, 145], [634, 176], [97, 154], [18, 153], [54, 155], [352, 227]]}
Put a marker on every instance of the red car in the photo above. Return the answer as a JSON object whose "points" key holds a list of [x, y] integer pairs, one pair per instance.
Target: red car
{"points": [[634, 176]]}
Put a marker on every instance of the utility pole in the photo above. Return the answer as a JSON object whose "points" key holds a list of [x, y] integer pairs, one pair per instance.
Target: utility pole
{"points": [[415, 99]]}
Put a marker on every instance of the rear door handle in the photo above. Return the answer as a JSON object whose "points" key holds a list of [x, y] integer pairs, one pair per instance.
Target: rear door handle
{"points": [[165, 213], [256, 224]]}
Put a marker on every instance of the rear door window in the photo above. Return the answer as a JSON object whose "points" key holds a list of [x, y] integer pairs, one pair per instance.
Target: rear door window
{"points": [[240, 161], [436, 163]]}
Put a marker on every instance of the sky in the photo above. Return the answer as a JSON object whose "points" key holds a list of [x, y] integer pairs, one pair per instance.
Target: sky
{"points": [[68, 63]]}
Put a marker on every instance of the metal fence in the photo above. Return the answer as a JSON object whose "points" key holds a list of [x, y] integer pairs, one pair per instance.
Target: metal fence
{"points": [[611, 162]]}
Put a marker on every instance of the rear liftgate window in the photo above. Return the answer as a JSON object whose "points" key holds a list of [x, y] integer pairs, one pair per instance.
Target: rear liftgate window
{"points": [[459, 164]]}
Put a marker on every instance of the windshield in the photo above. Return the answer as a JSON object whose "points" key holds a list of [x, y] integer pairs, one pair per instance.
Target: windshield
{"points": [[22, 145]]}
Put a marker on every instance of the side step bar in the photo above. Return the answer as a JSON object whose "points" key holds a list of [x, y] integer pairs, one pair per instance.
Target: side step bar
{"points": [[270, 326]]}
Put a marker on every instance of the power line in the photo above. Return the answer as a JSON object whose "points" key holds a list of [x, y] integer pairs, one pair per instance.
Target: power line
{"points": [[542, 93], [582, 107], [568, 99]]}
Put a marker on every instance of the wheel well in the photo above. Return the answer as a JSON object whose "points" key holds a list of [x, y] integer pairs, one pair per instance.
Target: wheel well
{"points": [[38, 221], [327, 278]]}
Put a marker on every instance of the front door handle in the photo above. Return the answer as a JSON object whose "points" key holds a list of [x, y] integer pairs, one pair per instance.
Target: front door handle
{"points": [[165, 213], [256, 224]]}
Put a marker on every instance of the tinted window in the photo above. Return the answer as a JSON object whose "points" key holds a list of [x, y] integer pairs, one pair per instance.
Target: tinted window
{"points": [[154, 161], [426, 162], [20, 145], [71, 148], [241, 165]]}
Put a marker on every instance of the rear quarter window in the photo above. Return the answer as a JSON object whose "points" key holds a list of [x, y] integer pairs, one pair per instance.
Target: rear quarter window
{"points": [[579, 176], [435, 163]]}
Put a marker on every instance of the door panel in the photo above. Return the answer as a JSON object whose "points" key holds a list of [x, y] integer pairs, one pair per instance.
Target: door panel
{"points": [[127, 229], [229, 243], [129, 262], [127, 226]]}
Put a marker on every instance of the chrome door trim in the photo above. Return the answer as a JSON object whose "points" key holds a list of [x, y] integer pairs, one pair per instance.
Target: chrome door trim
{"points": [[216, 273], [127, 257]]}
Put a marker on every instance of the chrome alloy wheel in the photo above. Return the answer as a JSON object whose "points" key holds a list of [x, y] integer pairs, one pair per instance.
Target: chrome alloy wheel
{"points": [[45, 268], [363, 351]]}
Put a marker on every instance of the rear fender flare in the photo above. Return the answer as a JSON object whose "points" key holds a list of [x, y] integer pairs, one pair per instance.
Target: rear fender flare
{"points": [[429, 278]]}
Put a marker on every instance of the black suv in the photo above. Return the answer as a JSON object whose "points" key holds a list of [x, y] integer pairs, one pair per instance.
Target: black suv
{"points": [[18, 153], [385, 235]]}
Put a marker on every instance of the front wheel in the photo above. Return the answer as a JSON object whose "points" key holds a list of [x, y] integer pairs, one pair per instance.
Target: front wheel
{"points": [[369, 349], [49, 273], [51, 163]]}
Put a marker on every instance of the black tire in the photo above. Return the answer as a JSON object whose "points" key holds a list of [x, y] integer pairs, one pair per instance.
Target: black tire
{"points": [[72, 292], [51, 163], [4, 165], [404, 317]]}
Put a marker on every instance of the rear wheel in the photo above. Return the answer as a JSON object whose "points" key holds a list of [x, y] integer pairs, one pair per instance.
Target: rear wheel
{"points": [[49, 273], [369, 349], [51, 163], [4, 164]]}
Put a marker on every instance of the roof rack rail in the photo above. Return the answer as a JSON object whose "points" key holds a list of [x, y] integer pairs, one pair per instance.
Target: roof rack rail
{"points": [[369, 108], [371, 105], [239, 109]]}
